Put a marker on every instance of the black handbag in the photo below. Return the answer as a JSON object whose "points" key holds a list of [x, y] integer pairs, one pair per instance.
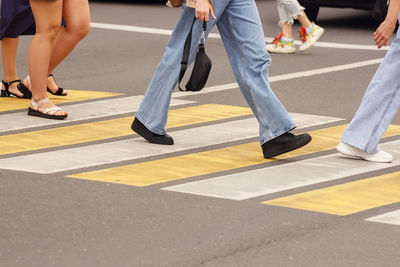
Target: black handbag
{"points": [[202, 63]]}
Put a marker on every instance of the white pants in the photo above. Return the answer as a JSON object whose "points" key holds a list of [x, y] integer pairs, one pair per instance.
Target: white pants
{"points": [[288, 11]]}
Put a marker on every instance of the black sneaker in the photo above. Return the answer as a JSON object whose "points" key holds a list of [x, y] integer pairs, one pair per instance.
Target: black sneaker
{"points": [[141, 130], [284, 143]]}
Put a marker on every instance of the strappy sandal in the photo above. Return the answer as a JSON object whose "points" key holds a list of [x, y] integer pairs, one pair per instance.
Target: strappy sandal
{"points": [[26, 94], [48, 113], [60, 91]]}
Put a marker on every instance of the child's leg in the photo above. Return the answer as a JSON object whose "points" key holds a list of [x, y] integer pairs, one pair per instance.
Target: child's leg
{"points": [[303, 20], [287, 30], [288, 11], [284, 43]]}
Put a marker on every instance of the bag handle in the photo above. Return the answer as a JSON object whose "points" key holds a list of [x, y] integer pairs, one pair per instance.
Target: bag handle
{"points": [[186, 51]]}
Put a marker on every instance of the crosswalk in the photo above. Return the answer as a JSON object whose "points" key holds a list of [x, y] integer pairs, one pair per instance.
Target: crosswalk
{"points": [[215, 145]]}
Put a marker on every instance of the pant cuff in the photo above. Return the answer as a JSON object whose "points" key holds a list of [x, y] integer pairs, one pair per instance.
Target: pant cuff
{"points": [[292, 127]]}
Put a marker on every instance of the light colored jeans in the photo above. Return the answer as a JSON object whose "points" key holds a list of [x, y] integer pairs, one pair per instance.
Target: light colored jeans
{"points": [[241, 31], [288, 10], [379, 104]]}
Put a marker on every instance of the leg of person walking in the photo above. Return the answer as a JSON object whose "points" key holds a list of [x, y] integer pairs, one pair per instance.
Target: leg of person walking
{"points": [[9, 53], [378, 107], [241, 31], [288, 11], [77, 19], [48, 16], [11, 82], [76, 14], [153, 111], [152, 115]]}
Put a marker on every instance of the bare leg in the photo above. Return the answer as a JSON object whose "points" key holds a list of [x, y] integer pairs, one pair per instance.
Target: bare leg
{"points": [[303, 19], [287, 30], [47, 17], [77, 17], [50, 82], [9, 56]]}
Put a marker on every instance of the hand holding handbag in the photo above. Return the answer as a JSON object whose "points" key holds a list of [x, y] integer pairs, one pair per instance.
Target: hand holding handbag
{"points": [[202, 63]]}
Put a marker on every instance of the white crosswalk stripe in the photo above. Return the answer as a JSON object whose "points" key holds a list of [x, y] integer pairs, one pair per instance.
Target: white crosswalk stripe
{"points": [[78, 112], [239, 186], [118, 151], [388, 218], [275, 179]]}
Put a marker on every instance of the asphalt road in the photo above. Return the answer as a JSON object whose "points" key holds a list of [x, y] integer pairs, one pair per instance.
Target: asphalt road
{"points": [[66, 200]]}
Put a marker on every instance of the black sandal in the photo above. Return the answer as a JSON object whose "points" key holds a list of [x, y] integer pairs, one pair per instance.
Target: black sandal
{"points": [[26, 94], [60, 90]]}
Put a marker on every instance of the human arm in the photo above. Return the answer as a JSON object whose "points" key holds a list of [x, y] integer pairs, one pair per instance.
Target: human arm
{"points": [[203, 9], [386, 29]]}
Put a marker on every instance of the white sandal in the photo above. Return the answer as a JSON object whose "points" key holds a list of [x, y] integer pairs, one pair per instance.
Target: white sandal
{"points": [[48, 113]]}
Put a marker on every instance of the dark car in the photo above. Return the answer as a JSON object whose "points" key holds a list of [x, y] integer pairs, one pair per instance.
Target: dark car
{"points": [[377, 6]]}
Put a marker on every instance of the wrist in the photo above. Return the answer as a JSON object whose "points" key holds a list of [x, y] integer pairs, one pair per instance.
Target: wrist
{"points": [[391, 20]]}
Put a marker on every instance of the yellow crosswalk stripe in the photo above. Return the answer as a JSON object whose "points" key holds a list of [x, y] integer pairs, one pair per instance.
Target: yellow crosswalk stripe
{"points": [[207, 162], [346, 199], [9, 104], [102, 130]]}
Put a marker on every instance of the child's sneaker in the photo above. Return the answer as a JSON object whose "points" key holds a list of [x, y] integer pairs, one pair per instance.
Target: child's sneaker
{"points": [[310, 36], [281, 45]]}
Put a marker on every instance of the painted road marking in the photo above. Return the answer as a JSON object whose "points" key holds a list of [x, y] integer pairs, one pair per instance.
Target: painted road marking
{"points": [[285, 77], [99, 109], [102, 130], [118, 151], [275, 179], [389, 218], [9, 104], [78, 112], [202, 163], [148, 30], [348, 198]]}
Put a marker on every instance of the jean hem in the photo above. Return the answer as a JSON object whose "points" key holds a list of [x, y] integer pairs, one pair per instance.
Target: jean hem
{"points": [[137, 116], [359, 146], [290, 128]]}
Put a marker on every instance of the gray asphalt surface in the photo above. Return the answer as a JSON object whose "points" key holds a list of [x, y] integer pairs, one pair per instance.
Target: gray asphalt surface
{"points": [[51, 220]]}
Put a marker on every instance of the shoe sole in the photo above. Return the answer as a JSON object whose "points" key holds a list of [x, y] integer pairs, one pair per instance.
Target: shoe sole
{"points": [[294, 146], [347, 154], [142, 132], [281, 51], [35, 113], [314, 40]]}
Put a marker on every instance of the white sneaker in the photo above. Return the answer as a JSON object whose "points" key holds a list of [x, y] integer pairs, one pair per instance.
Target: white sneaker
{"points": [[309, 39], [278, 46], [380, 156]]}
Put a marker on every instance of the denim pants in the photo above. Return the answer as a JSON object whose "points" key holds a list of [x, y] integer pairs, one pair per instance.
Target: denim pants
{"points": [[288, 10], [241, 31], [379, 104]]}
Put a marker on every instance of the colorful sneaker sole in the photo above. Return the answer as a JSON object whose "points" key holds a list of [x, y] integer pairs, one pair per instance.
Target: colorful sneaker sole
{"points": [[314, 38]]}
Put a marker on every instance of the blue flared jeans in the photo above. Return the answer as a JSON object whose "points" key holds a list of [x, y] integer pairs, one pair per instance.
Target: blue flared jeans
{"points": [[241, 31], [379, 104]]}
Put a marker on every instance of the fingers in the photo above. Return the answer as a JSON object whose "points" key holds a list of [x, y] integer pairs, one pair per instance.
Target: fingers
{"points": [[202, 16], [381, 42], [212, 14], [380, 39], [202, 13]]}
